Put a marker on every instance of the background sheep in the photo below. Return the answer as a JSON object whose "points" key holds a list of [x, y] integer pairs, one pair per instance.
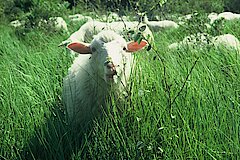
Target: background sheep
{"points": [[225, 15], [192, 40], [101, 65], [110, 17], [227, 40], [91, 28], [158, 25], [58, 23], [213, 16], [78, 18]]}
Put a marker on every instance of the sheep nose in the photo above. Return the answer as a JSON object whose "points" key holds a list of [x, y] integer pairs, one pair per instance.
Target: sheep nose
{"points": [[111, 67]]}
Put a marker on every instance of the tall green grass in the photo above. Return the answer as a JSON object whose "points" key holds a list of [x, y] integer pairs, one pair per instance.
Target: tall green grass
{"points": [[181, 104], [31, 82], [185, 106]]}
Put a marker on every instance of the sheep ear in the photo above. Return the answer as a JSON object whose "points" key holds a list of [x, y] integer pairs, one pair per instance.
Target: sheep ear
{"points": [[80, 47], [135, 46]]}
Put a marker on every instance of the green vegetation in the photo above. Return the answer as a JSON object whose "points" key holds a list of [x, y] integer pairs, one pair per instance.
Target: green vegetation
{"points": [[182, 104]]}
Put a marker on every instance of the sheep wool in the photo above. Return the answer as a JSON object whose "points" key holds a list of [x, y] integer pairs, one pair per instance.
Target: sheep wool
{"points": [[227, 40], [101, 66], [78, 18], [91, 28], [229, 16], [58, 23], [156, 26], [200, 39]]}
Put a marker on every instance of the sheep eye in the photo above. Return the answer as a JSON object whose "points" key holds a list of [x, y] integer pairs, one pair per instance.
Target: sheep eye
{"points": [[124, 48], [93, 49]]}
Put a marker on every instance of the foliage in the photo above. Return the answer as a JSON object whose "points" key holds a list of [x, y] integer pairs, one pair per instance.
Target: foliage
{"points": [[189, 6], [232, 5], [200, 23], [32, 11]]}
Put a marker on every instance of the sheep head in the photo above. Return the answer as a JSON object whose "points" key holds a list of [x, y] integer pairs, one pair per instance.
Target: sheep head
{"points": [[111, 54]]}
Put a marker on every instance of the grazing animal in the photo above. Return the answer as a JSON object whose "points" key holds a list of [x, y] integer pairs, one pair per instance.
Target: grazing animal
{"points": [[104, 64], [192, 40], [91, 28], [227, 40], [156, 26], [110, 17], [58, 23], [213, 16], [225, 15], [78, 18]]}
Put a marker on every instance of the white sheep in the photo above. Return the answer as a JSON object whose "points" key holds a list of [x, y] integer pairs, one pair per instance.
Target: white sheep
{"points": [[213, 16], [110, 17], [159, 25], [79, 17], [91, 28], [227, 40], [225, 15], [103, 65], [58, 23], [229, 16], [114, 16], [192, 40], [125, 18], [183, 19]]}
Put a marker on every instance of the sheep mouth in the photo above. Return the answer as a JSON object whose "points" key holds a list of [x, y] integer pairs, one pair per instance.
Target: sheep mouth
{"points": [[110, 77], [110, 71]]}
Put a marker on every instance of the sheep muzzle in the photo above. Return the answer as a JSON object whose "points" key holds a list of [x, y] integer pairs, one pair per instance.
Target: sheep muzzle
{"points": [[110, 71]]}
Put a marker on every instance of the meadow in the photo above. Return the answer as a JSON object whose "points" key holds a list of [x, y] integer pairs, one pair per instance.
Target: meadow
{"points": [[181, 104]]}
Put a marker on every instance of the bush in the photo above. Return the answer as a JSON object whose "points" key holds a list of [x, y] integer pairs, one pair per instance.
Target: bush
{"points": [[186, 7], [32, 10], [232, 5]]}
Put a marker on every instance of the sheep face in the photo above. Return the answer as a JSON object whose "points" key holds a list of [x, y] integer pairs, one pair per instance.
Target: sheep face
{"points": [[110, 56]]}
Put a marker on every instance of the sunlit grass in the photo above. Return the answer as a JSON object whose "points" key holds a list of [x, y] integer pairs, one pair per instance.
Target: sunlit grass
{"points": [[202, 121]]}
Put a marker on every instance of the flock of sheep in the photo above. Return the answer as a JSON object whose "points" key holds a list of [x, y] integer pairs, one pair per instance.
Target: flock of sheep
{"points": [[104, 60]]}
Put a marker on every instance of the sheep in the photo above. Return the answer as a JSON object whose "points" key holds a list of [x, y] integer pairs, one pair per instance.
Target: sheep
{"points": [[91, 28], [192, 40], [225, 15], [110, 17], [213, 16], [125, 18], [58, 23], [114, 16], [227, 40], [102, 65], [79, 17], [158, 25], [229, 16]]}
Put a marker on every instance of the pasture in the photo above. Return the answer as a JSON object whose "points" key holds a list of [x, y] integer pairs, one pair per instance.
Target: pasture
{"points": [[181, 104]]}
